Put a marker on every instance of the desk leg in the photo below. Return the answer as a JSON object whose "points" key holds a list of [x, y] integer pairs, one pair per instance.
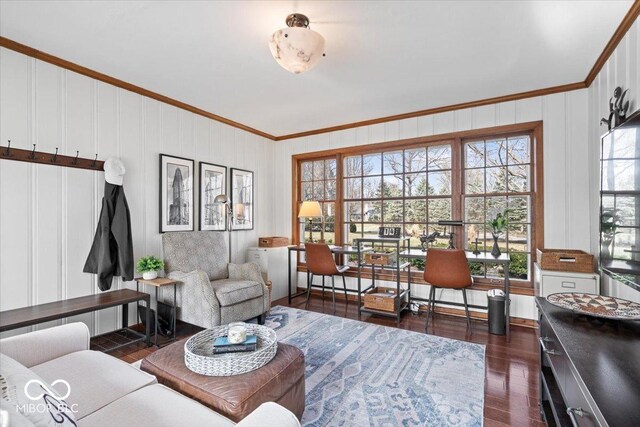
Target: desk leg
{"points": [[175, 311], [148, 323], [507, 301], [155, 332], [125, 316], [289, 264]]}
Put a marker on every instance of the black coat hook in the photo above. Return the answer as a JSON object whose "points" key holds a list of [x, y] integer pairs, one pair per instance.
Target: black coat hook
{"points": [[93, 165], [33, 152], [55, 156], [8, 152], [75, 161]]}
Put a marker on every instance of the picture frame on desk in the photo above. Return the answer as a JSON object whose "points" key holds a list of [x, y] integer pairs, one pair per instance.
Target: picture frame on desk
{"points": [[176, 194]]}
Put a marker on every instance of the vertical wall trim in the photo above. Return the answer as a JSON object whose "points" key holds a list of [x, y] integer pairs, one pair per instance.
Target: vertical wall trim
{"points": [[62, 221], [96, 199], [33, 205]]}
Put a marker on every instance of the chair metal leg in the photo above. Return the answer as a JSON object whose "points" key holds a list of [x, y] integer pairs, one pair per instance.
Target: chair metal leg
{"points": [[309, 281], [432, 292], [466, 310], [344, 286], [333, 293], [322, 288]]}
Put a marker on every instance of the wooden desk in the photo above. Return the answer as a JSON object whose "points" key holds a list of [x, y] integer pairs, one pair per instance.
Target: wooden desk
{"points": [[483, 258], [35, 314], [336, 250]]}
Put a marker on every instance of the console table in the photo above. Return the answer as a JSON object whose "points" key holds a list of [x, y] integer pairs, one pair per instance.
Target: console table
{"points": [[589, 372], [40, 313]]}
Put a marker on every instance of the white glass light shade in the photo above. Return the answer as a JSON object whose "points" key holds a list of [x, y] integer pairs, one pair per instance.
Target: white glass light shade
{"points": [[297, 49]]}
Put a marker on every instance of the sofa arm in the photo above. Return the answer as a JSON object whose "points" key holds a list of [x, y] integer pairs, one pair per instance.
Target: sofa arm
{"points": [[247, 271], [37, 347], [275, 414]]}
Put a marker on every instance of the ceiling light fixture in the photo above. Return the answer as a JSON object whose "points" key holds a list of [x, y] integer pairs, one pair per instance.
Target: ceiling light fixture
{"points": [[297, 48]]}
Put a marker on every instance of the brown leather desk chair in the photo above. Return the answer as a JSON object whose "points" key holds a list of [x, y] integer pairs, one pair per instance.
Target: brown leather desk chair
{"points": [[320, 262], [447, 268]]}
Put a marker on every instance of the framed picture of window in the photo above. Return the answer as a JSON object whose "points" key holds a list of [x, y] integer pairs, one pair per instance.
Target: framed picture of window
{"points": [[242, 199], [176, 193], [213, 182]]}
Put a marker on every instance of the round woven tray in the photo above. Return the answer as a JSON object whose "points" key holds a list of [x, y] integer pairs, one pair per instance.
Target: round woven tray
{"points": [[199, 357]]}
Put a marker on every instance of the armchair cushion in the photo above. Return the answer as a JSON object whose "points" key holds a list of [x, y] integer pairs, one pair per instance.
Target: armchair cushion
{"points": [[196, 250], [233, 291]]}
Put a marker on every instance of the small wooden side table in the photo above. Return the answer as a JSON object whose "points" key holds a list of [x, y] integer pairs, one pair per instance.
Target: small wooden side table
{"points": [[159, 283]]}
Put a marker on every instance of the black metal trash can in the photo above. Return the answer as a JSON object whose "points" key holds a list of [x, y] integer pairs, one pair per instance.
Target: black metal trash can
{"points": [[497, 318]]}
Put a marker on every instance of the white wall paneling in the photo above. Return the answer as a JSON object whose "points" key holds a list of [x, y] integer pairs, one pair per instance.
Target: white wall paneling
{"points": [[622, 69], [48, 214]]}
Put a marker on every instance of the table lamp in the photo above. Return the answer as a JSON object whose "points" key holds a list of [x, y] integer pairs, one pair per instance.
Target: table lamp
{"points": [[310, 209]]}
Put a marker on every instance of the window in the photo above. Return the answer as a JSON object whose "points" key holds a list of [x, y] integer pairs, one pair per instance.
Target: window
{"points": [[414, 185], [497, 179], [408, 188], [318, 182]]}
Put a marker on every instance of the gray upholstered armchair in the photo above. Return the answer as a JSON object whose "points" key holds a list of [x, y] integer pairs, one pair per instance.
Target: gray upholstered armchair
{"points": [[211, 291]]}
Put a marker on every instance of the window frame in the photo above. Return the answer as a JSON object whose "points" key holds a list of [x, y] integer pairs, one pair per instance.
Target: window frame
{"points": [[457, 140]]}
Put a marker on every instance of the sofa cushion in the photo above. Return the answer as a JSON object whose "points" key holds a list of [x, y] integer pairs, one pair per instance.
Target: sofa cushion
{"points": [[196, 250], [96, 379], [157, 406], [232, 291], [31, 399]]}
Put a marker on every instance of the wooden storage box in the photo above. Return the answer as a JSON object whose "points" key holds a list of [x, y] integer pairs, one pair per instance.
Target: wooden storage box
{"points": [[380, 298], [273, 242], [378, 258], [565, 260]]}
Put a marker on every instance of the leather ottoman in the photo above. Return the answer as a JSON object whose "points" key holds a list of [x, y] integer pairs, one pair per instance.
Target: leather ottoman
{"points": [[280, 381]]}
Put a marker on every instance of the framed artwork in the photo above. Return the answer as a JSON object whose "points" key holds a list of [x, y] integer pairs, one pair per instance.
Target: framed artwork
{"points": [[213, 182], [176, 194], [242, 199]]}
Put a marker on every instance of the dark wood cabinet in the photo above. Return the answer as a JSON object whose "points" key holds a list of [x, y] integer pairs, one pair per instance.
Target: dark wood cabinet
{"points": [[589, 369]]}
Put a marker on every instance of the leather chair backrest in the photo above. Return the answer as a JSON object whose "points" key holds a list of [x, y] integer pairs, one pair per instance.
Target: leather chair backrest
{"points": [[447, 268], [187, 251], [319, 259]]}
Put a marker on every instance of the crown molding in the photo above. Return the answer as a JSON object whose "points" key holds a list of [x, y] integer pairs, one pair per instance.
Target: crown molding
{"points": [[618, 35], [436, 110], [63, 63]]}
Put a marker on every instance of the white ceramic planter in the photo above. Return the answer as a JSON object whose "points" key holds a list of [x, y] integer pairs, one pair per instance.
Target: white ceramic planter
{"points": [[149, 275]]}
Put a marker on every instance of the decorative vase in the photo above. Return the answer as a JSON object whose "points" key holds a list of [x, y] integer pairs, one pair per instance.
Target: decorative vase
{"points": [[495, 251], [150, 275]]}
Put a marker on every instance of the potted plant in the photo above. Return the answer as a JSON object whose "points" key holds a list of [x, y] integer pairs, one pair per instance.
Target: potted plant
{"points": [[149, 267], [498, 226]]}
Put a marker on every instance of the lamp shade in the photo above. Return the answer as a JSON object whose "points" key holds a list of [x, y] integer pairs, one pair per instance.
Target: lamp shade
{"points": [[297, 48], [310, 209]]}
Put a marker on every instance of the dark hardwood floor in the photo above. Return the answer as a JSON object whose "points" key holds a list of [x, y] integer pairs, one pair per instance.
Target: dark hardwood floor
{"points": [[511, 380]]}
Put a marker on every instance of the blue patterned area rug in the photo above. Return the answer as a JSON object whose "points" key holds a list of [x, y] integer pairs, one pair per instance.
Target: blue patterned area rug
{"points": [[359, 374]]}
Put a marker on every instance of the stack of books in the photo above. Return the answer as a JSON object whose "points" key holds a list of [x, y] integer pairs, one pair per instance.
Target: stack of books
{"points": [[222, 345]]}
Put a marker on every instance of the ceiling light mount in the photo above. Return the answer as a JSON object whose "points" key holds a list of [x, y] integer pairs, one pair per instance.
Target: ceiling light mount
{"points": [[297, 48], [297, 20]]}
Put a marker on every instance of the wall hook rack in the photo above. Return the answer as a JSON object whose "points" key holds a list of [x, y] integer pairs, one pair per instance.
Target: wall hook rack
{"points": [[55, 159]]}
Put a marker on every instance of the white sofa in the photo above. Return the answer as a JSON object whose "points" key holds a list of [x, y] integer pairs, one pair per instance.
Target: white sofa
{"points": [[106, 391]]}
